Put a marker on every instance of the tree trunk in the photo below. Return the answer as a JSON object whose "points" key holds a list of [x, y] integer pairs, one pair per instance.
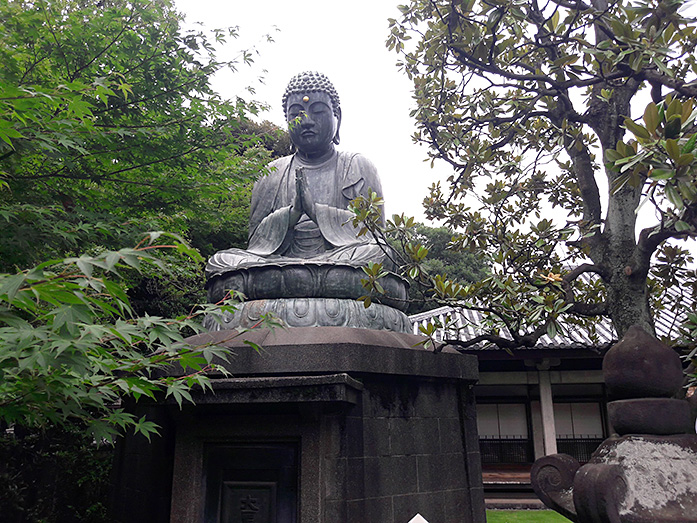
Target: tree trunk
{"points": [[628, 302], [625, 268], [627, 290]]}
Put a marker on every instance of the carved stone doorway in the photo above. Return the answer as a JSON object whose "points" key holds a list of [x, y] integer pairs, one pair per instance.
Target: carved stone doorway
{"points": [[251, 483]]}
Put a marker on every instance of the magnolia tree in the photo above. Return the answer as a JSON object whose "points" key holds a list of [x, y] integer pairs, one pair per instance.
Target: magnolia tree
{"points": [[569, 125]]}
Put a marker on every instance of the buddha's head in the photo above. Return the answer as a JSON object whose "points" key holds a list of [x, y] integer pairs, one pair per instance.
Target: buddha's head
{"points": [[313, 113]]}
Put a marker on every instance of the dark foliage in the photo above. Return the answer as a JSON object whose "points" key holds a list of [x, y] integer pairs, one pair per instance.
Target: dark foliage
{"points": [[59, 475]]}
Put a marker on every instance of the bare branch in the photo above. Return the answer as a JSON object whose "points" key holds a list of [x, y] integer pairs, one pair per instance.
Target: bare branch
{"points": [[688, 89], [577, 6], [651, 237]]}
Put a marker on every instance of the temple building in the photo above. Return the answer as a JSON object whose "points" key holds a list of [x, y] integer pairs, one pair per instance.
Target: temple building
{"points": [[537, 401]]}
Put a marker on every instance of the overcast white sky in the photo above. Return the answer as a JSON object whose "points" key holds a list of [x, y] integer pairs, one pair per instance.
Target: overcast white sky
{"points": [[345, 41]]}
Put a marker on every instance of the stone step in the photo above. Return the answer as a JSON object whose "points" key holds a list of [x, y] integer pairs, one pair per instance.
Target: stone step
{"points": [[514, 503]]}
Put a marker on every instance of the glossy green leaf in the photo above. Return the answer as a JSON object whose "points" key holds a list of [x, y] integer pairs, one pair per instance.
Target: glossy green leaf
{"points": [[638, 130], [673, 150], [689, 146], [651, 118]]}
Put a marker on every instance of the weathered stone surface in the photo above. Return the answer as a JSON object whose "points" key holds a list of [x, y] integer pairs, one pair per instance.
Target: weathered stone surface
{"points": [[647, 475], [649, 416], [552, 479], [660, 474], [378, 441], [632, 479], [390, 475], [337, 349], [598, 492], [441, 471], [314, 312], [641, 366], [331, 388]]}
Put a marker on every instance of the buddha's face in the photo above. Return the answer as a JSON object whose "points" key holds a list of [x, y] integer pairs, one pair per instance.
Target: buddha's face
{"points": [[312, 124]]}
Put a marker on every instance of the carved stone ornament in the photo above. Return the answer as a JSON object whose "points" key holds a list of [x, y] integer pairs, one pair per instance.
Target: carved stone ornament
{"points": [[637, 479], [647, 472], [305, 280]]}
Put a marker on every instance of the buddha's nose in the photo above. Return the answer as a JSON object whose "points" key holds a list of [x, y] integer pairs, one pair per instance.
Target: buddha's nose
{"points": [[307, 121]]}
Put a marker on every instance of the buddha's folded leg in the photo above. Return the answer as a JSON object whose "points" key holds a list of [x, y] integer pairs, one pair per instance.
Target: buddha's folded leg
{"points": [[231, 259], [360, 253]]}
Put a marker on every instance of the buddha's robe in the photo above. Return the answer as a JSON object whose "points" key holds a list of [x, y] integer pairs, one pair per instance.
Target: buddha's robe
{"points": [[332, 239]]}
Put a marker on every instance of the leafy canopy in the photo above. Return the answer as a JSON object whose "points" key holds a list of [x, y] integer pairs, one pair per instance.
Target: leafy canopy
{"points": [[439, 258], [563, 120], [71, 349], [108, 127]]}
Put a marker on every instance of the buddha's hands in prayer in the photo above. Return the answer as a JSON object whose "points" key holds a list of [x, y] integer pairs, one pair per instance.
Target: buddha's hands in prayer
{"points": [[304, 202], [296, 210]]}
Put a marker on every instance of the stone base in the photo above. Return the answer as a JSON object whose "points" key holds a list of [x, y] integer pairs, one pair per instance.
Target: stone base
{"points": [[331, 424], [630, 479], [313, 312], [656, 416]]}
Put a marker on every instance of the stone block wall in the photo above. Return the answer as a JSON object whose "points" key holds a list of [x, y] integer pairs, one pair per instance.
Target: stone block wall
{"points": [[383, 430], [401, 451]]}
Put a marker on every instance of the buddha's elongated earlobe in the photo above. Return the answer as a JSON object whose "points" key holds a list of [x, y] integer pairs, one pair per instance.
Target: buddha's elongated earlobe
{"points": [[336, 139]]}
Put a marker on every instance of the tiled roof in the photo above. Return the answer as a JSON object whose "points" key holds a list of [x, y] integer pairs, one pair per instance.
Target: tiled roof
{"points": [[465, 324]]}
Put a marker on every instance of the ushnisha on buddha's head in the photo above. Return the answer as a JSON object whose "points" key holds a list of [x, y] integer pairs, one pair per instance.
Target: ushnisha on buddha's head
{"points": [[313, 112]]}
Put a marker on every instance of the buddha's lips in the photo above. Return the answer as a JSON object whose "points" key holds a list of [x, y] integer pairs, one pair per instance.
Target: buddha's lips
{"points": [[306, 134]]}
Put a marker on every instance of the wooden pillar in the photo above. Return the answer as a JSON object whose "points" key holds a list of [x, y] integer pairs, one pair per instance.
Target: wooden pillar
{"points": [[537, 429], [549, 433]]}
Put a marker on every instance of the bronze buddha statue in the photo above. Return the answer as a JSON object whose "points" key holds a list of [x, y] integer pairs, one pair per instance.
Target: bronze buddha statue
{"points": [[299, 209], [299, 220]]}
